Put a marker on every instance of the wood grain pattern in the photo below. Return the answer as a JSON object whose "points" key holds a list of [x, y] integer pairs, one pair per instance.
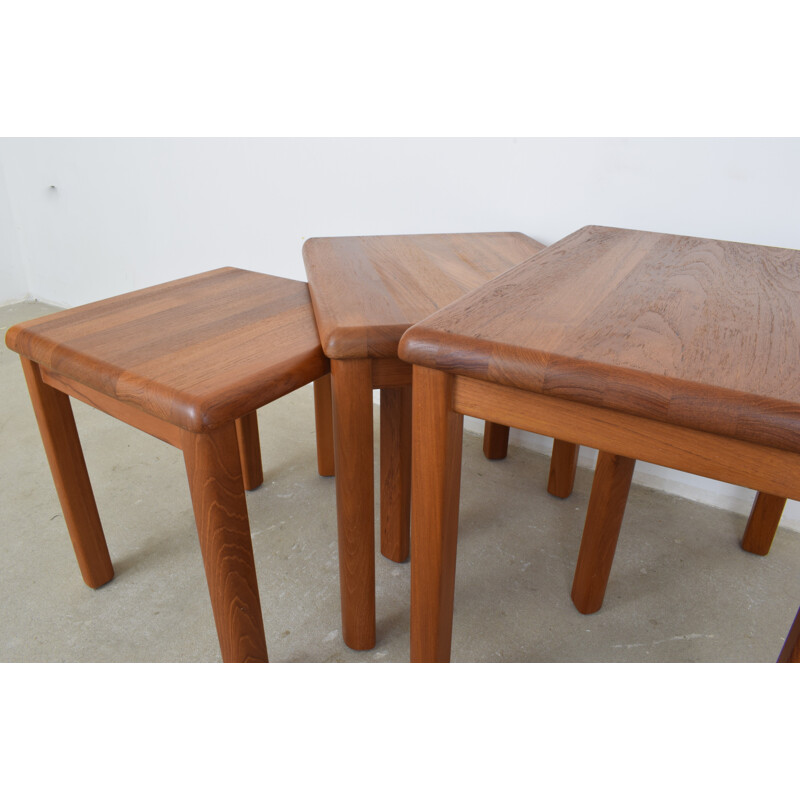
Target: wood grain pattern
{"points": [[765, 516], [196, 352], [250, 451], [390, 373], [367, 290], [355, 500], [612, 481], [436, 484], [741, 463], [395, 454], [762, 525], [214, 470], [323, 417], [695, 332], [770, 470], [495, 441], [189, 362], [563, 466], [674, 350], [790, 653], [147, 423], [65, 456]]}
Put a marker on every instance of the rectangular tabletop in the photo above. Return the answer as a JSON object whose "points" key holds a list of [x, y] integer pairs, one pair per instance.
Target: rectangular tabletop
{"points": [[695, 332], [367, 290], [196, 352]]}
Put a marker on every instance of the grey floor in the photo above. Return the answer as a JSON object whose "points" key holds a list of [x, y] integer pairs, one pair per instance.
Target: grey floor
{"points": [[681, 589]]}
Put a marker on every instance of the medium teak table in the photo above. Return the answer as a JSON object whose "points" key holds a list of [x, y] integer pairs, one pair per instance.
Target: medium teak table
{"points": [[366, 291]]}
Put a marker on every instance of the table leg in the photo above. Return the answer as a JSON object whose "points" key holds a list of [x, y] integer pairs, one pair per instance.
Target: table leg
{"points": [[612, 481], [355, 500], [395, 459], [790, 653], [213, 466], [495, 440], [563, 465], [763, 523], [250, 451], [323, 418], [436, 484], [65, 456]]}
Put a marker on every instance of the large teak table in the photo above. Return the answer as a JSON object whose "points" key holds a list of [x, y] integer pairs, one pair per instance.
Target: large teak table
{"points": [[366, 291], [680, 351]]}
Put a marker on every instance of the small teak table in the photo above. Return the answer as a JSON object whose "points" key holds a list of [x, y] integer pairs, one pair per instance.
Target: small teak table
{"points": [[189, 362], [675, 350], [366, 291]]}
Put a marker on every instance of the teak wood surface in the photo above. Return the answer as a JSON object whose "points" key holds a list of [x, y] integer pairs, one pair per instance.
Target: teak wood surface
{"points": [[196, 352], [672, 349], [189, 362], [762, 524], [697, 332], [366, 292]]}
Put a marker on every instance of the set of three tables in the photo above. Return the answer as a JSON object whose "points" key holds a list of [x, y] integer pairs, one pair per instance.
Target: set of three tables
{"points": [[670, 349]]}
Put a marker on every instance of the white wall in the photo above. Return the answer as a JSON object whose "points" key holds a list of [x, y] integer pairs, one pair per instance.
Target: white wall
{"points": [[128, 213], [13, 278]]}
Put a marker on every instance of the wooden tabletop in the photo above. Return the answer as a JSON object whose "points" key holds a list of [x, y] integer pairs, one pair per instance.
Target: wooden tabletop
{"points": [[697, 332], [196, 352], [367, 290]]}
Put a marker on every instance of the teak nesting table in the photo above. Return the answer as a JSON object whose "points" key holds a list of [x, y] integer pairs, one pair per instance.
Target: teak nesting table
{"points": [[680, 351], [366, 291], [189, 362]]}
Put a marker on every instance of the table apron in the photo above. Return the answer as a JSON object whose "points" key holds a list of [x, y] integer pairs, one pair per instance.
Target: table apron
{"points": [[134, 417], [766, 469], [390, 373]]}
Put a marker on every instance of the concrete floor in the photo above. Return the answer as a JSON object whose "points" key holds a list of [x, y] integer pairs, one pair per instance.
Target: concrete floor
{"points": [[681, 589]]}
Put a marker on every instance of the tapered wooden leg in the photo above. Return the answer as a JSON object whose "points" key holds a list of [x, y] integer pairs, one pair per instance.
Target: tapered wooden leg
{"points": [[763, 523], [612, 481], [495, 440], [395, 472], [323, 417], [64, 453], [791, 647], [250, 451], [563, 465], [436, 485], [355, 499], [214, 469]]}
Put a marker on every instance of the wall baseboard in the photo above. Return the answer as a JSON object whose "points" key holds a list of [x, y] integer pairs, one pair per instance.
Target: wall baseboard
{"points": [[26, 299]]}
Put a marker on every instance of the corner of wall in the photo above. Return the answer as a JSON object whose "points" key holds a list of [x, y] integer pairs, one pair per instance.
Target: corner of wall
{"points": [[14, 278]]}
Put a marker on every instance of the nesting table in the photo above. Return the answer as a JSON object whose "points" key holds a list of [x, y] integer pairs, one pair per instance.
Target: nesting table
{"points": [[366, 291], [680, 351], [189, 362]]}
